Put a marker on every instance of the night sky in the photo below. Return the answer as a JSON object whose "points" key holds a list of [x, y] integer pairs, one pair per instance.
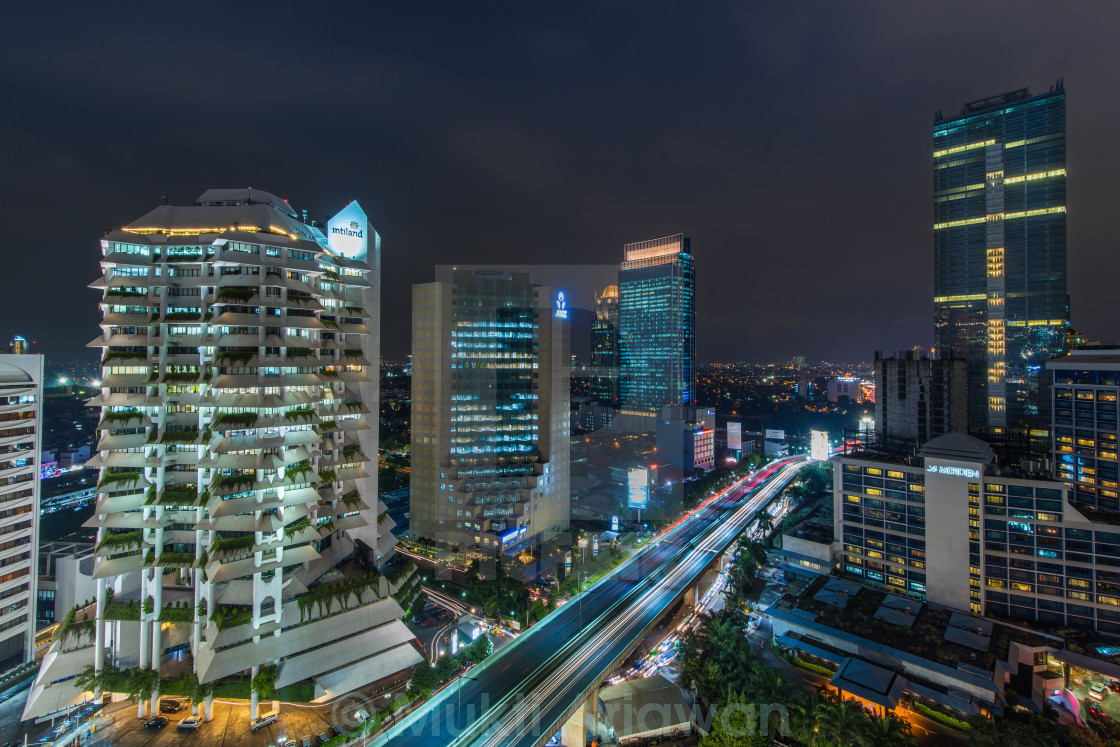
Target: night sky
{"points": [[792, 141]]}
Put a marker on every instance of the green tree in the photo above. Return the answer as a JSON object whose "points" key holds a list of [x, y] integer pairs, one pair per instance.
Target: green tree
{"points": [[735, 725], [264, 684]]}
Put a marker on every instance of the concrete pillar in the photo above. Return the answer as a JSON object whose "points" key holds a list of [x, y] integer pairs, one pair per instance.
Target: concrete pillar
{"points": [[99, 633], [254, 699], [209, 708], [584, 721]]}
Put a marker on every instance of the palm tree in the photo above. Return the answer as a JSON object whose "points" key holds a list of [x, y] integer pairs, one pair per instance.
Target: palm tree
{"points": [[890, 731]]}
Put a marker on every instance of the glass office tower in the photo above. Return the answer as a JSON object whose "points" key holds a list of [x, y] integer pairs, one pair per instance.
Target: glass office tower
{"points": [[657, 325], [1000, 299], [490, 412]]}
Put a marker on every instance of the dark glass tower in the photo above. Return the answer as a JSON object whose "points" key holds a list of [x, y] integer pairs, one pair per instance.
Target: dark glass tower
{"points": [[1000, 299], [657, 325]]}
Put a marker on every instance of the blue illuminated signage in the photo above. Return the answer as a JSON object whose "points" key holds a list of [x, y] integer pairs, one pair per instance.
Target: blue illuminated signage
{"points": [[561, 306]]}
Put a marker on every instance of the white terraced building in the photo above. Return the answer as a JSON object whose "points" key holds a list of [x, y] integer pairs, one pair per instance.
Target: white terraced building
{"points": [[237, 512], [21, 399]]}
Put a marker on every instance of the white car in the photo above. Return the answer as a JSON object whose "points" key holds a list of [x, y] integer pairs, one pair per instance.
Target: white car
{"points": [[190, 724]]}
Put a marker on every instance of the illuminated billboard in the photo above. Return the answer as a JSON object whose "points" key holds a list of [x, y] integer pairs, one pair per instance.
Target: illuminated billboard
{"points": [[637, 484], [773, 434], [819, 449], [734, 436], [348, 233]]}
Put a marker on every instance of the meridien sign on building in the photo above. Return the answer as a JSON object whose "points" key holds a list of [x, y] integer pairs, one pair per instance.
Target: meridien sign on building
{"points": [[945, 469]]}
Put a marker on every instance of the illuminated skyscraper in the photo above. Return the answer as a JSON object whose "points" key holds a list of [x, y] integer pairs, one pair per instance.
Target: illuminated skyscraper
{"points": [[604, 347], [21, 428], [657, 325], [490, 411], [237, 454], [1000, 252]]}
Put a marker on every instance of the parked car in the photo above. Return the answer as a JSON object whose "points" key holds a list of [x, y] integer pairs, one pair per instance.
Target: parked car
{"points": [[269, 718], [167, 705], [157, 722], [1114, 686], [1096, 712], [321, 738], [336, 729], [190, 724], [1097, 691], [305, 742], [290, 743]]}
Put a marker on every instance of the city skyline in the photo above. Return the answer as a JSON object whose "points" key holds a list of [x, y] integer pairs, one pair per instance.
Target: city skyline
{"points": [[522, 150]]}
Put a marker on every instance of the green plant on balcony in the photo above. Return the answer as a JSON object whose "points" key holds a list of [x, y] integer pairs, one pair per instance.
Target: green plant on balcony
{"points": [[118, 293], [355, 310], [230, 617], [170, 559], [300, 298], [352, 500], [120, 542], [302, 414], [331, 274], [353, 353], [75, 625], [126, 612], [177, 612], [149, 605], [234, 420], [230, 545], [325, 526], [328, 476], [181, 377], [328, 373], [118, 478], [114, 417], [329, 323], [172, 496], [235, 480], [327, 426], [298, 470], [234, 356], [352, 407], [296, 526], [300, 352], [235, 294], [179, 437], [124, 355], [183, 316]]}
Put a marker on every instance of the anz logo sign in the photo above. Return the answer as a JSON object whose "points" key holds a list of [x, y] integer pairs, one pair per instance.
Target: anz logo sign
{"points": [[561, 306]]}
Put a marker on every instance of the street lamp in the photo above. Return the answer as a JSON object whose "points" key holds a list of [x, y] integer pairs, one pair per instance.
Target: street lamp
{"points": [[583, 550], [581, 600]]}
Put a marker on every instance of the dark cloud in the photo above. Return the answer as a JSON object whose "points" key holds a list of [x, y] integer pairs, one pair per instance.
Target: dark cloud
{"points": [[792, 142]]}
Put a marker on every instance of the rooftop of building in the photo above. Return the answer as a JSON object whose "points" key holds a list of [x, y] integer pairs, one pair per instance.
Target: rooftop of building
{"points": [[1102, 355], [998, 101], [812, 531], [1000, 459], [221, 210], [931, 632]]}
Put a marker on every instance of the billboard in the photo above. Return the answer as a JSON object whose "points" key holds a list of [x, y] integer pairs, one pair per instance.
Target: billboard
{"points": [[819, 449], [347, 233], [775, 435], [734, 436], [637, 487]]}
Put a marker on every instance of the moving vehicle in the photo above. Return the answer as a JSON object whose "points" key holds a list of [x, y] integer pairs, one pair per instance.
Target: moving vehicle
{"points": [[190, 724], [269, 718], [157, 722], [1096, 712], [1097, 691]]}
